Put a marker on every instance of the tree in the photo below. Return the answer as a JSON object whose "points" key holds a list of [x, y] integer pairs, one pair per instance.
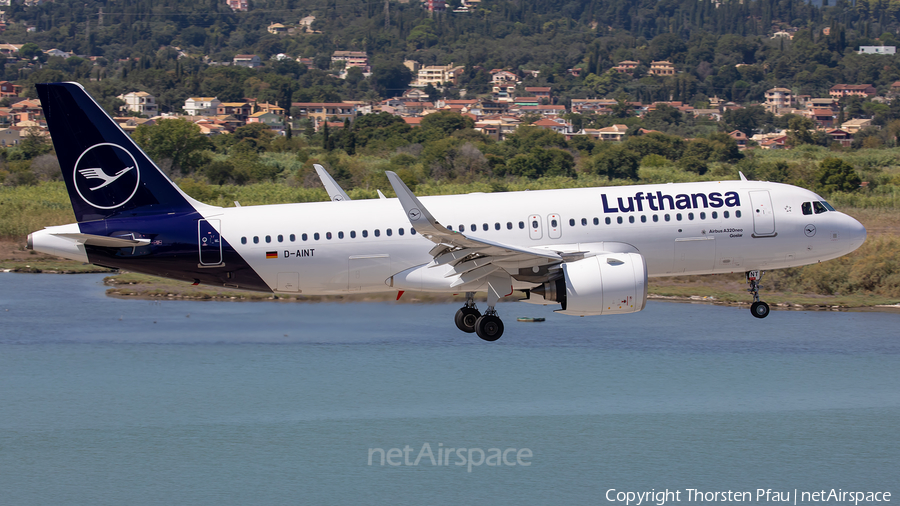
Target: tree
{"points": [[616, 162], [178, 141], [836, 175], [390, 78]]}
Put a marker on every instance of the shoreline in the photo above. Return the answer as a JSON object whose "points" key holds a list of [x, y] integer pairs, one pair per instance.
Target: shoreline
{"points": [[126, 285]]}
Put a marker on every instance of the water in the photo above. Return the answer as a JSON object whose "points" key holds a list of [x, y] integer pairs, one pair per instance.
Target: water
{"points": [[106, 401]]}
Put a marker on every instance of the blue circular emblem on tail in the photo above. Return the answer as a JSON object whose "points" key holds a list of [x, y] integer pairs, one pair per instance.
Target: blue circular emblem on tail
{"points": [[106, 176]]}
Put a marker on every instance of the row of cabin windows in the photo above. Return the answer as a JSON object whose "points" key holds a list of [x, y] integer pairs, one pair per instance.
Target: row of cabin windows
{"points": [[509, 226], [584, 221], [328, 235], [655, 218]]}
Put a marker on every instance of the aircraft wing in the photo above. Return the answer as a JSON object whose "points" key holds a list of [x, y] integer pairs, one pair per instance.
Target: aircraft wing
{"points": [[335, 192], [471, 257]]}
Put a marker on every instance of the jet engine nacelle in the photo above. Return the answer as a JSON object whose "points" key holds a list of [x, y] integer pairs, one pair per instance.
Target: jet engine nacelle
{"points": [[608, 283]]}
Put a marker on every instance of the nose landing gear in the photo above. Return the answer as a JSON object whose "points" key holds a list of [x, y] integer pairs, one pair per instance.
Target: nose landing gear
{"points": [[759, 308]]}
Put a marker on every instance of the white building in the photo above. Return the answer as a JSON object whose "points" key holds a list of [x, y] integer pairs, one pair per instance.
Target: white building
{"points": [[201, 106], [140, 102], [877, 49]]}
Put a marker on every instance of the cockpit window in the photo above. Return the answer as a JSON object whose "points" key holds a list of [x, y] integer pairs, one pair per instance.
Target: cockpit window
{"points": [[806, 207], [827, 205], [818, 207]]}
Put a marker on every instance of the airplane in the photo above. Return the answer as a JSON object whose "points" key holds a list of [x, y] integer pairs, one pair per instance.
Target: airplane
{"points": [[590, 250]]}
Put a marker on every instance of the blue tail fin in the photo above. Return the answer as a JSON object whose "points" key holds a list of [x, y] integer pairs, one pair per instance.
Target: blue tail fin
{"points": [[106, 173]]}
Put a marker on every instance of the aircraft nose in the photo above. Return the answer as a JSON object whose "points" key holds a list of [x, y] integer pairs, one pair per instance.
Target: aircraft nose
{"points": [[857, 233]]}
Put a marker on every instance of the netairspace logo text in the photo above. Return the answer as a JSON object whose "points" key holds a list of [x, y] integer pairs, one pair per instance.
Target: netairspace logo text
{"points": [[463, 457]]}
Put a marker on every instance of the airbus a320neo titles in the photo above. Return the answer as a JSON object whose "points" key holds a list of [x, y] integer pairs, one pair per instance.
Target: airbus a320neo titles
{"points": [[590, 250]]}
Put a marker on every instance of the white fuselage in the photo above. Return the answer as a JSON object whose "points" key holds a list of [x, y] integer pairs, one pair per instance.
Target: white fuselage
{"points": [[763, 228]]}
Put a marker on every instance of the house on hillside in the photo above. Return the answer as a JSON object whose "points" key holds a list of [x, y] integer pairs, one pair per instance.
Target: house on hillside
{"points": [[778, 98], [238, 5], [247, 60], [626, 67], [540, 92], [839, 91], [614, 133], [201, 106], [661, 68], [140, 102]]}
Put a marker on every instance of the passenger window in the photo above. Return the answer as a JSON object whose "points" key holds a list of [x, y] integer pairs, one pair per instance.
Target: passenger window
{"points": [[571, 222], [268, 238], [462, 228], [377, 233], [725, 214], [293, 237], [304, 237], [715, 215], [316, 236], [583, 222], [534, 224], [412, 231], [655, 218], [619, 220], [521, 224], [473, 227], [255, 239], [388, 232], [596, 221], [806, 207], [328, 235], [365, 233], [553, 223], [818, 207], [608, 221], [485, 227], [643, 219], [508, 225], [340, 235], [497, 226], [353, 234], [678, 216], [631, 219], [690, 216], [400, 231], [668, 218], [702, 216], [243, 240], [280, 238], [737, 214]]}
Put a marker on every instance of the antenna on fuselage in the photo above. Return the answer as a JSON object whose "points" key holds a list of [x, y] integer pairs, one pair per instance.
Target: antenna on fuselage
{"points": [[743, 177]]}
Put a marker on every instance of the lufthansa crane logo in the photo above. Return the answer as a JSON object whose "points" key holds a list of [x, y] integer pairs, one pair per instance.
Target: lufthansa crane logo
{"points": [[106, 176]]}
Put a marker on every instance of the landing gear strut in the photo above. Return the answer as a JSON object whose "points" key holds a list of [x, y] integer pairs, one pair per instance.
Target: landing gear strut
{"points": [[468, 315], [759, 308]]}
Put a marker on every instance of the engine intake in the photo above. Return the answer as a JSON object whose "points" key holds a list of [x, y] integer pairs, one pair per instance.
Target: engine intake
{"points": [[608, 283]]}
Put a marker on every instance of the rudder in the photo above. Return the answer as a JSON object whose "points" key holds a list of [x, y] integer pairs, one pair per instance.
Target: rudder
{"points": [[106, 173]]}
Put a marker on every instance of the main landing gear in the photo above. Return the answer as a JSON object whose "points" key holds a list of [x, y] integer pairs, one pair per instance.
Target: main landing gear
{"points": [[469, 319], [759, 308]]}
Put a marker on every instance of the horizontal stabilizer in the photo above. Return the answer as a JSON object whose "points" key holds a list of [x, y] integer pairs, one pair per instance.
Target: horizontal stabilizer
{"points": [[105, 241]]}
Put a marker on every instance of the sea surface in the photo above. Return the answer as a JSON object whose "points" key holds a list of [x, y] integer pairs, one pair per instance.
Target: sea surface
{"points": [[129, 402]]}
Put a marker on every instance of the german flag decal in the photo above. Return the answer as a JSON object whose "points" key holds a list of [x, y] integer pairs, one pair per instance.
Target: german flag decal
{"points": [[271, 254]]}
